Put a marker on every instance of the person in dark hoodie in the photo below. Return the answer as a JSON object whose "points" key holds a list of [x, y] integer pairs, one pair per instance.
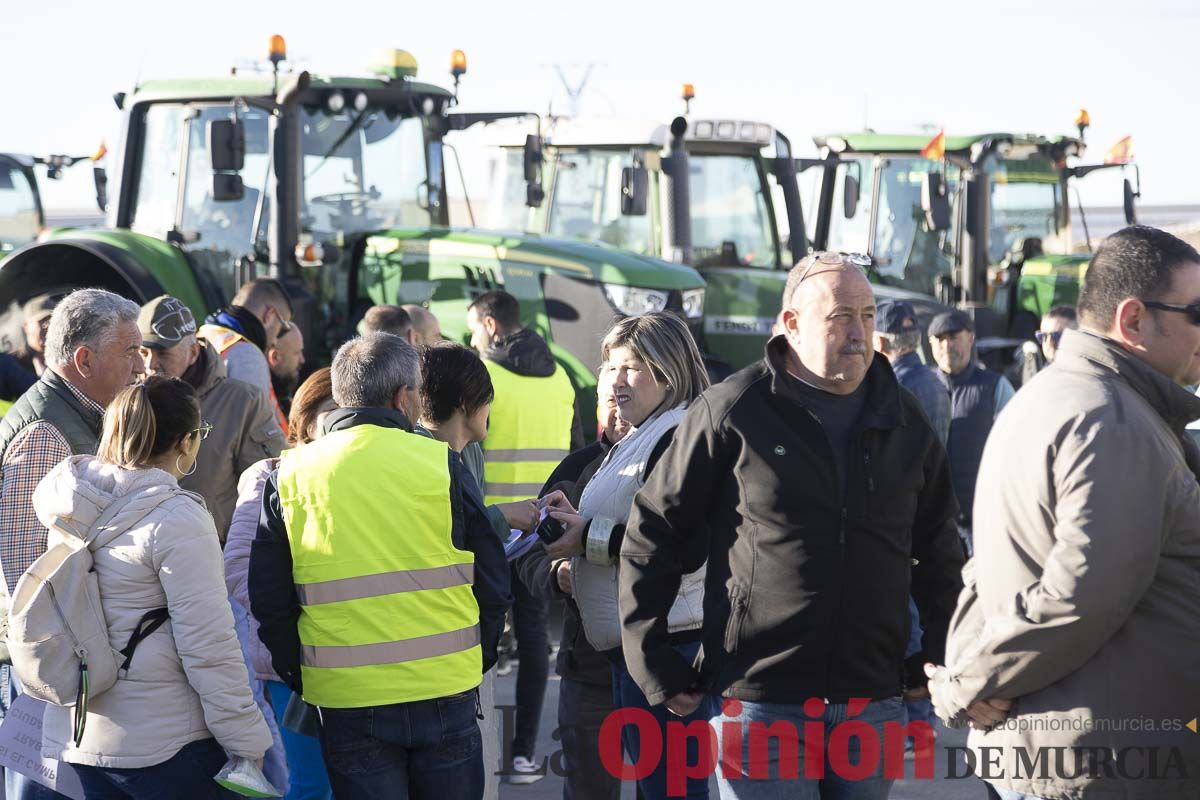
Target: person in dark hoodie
{"points": [[532, 429], [241, 333]]}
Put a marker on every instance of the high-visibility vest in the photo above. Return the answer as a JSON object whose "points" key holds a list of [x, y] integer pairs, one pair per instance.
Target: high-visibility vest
{"points": [[529, 432], [387, 614]]}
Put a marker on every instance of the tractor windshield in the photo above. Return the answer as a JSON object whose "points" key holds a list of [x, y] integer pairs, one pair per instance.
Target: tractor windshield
{"points": [[364, 171], [587, 200], [906, 253], [1026, 204], [18, 208], [731, 214]]}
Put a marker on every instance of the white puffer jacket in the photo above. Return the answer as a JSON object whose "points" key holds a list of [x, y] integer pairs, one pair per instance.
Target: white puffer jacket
{"points": [[188, 680], [606, 501]]}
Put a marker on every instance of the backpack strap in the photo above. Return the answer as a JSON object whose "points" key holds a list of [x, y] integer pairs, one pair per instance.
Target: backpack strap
{"points": [[148, 624]]}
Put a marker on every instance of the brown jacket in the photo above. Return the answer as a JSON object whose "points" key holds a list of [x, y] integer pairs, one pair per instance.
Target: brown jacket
{"points": [[244, 432], [1082, 603]]}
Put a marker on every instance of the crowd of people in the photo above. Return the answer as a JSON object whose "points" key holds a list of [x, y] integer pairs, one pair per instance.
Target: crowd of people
{"points": [[311, 579]]}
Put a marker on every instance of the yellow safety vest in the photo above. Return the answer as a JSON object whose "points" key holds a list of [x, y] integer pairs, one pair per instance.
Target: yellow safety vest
{"points": [[529, 432], [387, 614]]}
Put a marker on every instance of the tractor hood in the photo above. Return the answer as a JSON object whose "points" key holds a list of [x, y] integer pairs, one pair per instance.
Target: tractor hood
{"points": [[534, 252]]}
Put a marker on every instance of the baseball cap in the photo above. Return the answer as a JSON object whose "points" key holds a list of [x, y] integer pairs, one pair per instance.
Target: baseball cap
{"points": [[895, 316], [41, 306], [949, 322], [165, 321]]}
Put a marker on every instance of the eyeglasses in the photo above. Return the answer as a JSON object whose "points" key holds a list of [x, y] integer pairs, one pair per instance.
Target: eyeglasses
{"points": [[1192, 310], [204, 430], [1042, 336], [834, 259]]}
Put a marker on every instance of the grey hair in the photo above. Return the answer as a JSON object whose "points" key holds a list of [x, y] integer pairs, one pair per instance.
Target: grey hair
{"points": [[905, 341], [663, 342], [368, 370], [86, 318]]}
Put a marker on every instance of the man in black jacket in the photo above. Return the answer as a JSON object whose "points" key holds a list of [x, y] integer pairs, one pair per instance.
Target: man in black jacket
{"points": [[817, 492]]}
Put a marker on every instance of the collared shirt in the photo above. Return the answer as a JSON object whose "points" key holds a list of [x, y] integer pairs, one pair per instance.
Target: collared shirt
{"points": [[31, 455]]}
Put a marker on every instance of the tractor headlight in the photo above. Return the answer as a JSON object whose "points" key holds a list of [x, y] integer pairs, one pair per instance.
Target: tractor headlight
{"points": [[693, 303], [632, 301]]}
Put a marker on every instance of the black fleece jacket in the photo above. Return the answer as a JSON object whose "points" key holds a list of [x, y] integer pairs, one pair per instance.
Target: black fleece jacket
{"points": [[807, 584], [272, 590]]}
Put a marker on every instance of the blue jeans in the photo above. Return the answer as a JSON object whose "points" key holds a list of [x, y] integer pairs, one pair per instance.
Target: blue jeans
{"points": [[773, 784], [426, 749], [626, 694], [306, 767], [918, 710], [16, 785], [187, 775]]}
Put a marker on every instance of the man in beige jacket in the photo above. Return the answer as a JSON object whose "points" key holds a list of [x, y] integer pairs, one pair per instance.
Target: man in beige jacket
{"points": [[244, 429], [1075, 650]]}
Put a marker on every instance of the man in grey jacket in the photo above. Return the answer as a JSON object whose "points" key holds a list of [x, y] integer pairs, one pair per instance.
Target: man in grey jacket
{"points": [[243, 429], [1082, 623]]}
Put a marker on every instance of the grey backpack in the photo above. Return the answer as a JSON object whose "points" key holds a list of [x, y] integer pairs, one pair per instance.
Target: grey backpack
{"points": [[57, 633]]}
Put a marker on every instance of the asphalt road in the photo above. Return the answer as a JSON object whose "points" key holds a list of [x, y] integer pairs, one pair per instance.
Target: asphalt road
{"points": [[939, 788]]}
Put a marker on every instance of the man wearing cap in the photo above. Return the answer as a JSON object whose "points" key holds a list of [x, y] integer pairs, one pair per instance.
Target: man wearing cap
{"points": [[976, 397], [244, 429], [37, 313], [897, 338]]}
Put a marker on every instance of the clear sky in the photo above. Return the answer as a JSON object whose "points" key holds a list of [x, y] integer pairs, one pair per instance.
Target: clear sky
{"points": [[968, 66]]}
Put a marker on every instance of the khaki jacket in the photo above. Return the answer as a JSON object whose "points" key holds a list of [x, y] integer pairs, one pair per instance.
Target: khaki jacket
{"points": [[1082, 603], [187, 680], [244, 432]]}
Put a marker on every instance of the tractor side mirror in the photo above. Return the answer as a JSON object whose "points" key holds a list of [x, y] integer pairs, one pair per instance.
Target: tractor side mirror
{"points": [[635, 187], [227, 187], [850, 191], [935, 202], [227, 145], [1130, 208], [100, 176], [534, 194]]}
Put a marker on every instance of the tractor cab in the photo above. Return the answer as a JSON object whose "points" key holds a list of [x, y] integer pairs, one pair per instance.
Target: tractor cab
{"points": [[982, 222], [717, 194]]}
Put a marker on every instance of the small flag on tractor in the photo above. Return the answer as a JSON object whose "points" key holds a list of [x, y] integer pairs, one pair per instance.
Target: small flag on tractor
{"points": [[1121, 152], [936, 149]]}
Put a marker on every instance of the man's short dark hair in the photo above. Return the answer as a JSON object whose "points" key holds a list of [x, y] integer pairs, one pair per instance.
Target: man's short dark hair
{"points": [[500, 306], [1062, 312], [1138, 261], [262, 292], [387, 319], [452, 377]]}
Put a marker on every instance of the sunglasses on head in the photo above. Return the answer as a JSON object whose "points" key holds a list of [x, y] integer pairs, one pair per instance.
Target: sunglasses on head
{"points": [[1192, 310], [1042, 336], [834, 259]]}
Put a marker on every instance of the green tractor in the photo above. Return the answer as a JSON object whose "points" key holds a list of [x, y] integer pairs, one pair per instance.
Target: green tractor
{"points": [[736, 217], [22, 218], [336, 186], [984, 225]]}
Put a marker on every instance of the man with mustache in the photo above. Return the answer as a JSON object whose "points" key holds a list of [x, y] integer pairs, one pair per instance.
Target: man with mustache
{"points": [[814, 487]]}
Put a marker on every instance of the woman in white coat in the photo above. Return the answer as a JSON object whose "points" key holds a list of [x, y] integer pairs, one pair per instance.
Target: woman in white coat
{"points": [[656, 371], [183, 707]]}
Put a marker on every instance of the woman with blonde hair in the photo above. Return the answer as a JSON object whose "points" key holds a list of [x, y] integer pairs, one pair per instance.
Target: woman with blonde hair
{"points": [[656, 372], [183, 705], [307, 777]]}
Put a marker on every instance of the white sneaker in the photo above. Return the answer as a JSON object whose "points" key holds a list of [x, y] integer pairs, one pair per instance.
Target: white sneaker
{"points": [[524, 771]]}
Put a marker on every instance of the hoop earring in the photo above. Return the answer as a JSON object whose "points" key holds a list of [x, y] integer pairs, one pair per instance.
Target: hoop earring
{"points": [[183, 474]]}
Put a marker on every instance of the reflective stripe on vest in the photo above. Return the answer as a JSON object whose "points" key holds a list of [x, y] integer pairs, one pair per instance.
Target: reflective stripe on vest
{"points": [[387, 611], [529, 432]]}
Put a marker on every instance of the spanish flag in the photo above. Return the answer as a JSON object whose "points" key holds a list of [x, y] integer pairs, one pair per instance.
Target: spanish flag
{"points": [[936, 149], [1121, 152], [101, 151]]}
